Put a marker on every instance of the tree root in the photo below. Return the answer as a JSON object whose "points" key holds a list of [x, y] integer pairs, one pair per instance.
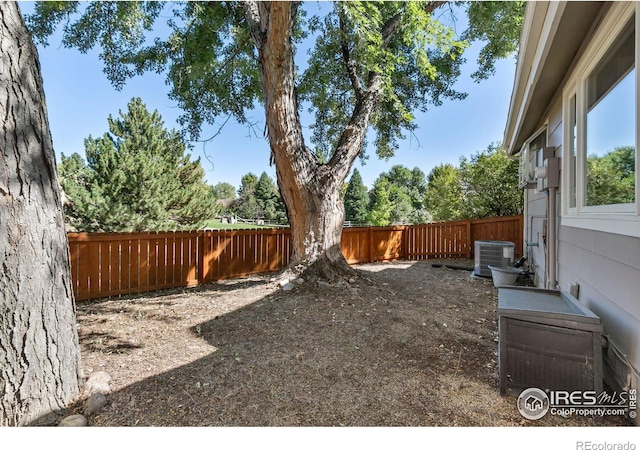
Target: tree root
{"points": [[323, 270]]}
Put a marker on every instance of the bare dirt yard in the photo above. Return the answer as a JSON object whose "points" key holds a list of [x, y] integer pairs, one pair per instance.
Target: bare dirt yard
{"points": [[402, 344]]}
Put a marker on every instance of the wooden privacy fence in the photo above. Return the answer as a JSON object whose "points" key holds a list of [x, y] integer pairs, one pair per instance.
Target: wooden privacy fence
{"points": [[109, 264]]}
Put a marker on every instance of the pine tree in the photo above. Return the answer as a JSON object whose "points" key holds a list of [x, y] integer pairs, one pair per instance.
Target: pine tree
{"points": [[356, 199], [269, 200], [137, 177], [246, 205]]}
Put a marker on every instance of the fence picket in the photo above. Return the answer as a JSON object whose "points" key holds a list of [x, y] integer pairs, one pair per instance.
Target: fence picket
{"points": [[108, 264]]}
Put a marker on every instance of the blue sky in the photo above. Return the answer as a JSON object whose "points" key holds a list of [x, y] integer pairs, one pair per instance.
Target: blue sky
{"points": [[80, 98]]}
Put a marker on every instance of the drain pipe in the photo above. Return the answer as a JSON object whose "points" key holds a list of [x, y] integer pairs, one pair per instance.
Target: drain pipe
{"points": [[551, 236], [549, 180]]}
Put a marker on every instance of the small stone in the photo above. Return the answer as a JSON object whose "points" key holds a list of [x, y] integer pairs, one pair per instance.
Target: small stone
{"points": [[98, 382], [324, 284], [352, 280], [288, 287], [76, 420], [283, 282], [299, 280], [95, 403]]}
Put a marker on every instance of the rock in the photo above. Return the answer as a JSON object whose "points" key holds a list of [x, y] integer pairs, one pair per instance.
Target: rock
{"points": [[352, 280], [95, 403], [299, 280], [288, 287], [75, 420], [283, 282], [324, 284], [98, 382]]}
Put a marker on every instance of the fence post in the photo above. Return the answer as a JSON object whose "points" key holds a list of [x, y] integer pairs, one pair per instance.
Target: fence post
{"points": [[201, 258], [469, 239], [405, 242], [370, 244]]}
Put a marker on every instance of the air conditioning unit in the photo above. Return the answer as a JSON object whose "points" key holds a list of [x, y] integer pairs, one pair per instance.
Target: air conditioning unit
{"points": [[492, 253]]}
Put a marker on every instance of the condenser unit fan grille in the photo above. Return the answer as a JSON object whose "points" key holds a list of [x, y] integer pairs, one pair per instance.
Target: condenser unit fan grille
{"points": [[492, 253]]}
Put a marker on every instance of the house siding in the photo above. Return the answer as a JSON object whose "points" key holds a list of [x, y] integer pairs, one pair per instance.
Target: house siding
{"points": [[536, 205], [604, 266]]}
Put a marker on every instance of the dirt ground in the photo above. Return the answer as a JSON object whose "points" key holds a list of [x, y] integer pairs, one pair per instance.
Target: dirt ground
{"points": [[415, 345]]}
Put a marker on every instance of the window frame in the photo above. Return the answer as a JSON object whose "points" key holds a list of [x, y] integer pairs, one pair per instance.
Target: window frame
{"points": [[525, 153], [618, 218]]}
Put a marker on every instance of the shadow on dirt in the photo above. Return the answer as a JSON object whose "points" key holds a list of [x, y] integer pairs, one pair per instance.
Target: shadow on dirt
{"points": [[415, 348]]}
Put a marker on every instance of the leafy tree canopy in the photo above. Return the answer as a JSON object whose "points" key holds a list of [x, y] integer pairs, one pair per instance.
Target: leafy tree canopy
{"points": [[223, 191], [137, 177], [210, 59], [404, 190], [371, 66], [443, 197], [611, 178], [490, 184]]}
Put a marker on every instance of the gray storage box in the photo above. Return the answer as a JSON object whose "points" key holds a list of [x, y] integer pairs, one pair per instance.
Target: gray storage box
{"points": [[547, 340]]}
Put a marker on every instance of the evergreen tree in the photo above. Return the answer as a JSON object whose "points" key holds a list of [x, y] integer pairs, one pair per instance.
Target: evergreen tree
{"points": [[137, 177], [269, 200], [246, 205], [356, 199]]}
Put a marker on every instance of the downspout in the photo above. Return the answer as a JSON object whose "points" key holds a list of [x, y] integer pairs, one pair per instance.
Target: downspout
{"points": [[551, 236], [549, 179]]}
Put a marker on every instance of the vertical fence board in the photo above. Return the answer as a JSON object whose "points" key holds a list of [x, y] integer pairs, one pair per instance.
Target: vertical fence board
{"points": [[107, 264]]}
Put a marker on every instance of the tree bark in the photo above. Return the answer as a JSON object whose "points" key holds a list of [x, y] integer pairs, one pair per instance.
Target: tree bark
{"points": [[40, 368], [310, 190]]}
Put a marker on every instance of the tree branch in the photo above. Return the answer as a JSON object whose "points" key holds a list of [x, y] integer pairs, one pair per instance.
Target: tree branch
{"points": [[351, 140], [349, 63], [257, 16], [391, 27]]}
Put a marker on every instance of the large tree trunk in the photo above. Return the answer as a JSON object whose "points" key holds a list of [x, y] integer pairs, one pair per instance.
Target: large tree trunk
{"points": [[39, 350], [310, 190]]}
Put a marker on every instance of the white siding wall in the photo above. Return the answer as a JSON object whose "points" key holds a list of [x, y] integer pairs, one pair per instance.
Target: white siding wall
{"points": [[605, 266]]}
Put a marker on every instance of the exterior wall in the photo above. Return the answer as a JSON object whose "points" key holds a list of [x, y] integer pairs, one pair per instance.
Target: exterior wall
{"points": [[604, 267], [536, 206], [535, 234]]}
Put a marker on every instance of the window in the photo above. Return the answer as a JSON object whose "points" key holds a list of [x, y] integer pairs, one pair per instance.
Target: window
{"points": [[610, 125], [531, 157], [600, 130], [572, 153]]}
